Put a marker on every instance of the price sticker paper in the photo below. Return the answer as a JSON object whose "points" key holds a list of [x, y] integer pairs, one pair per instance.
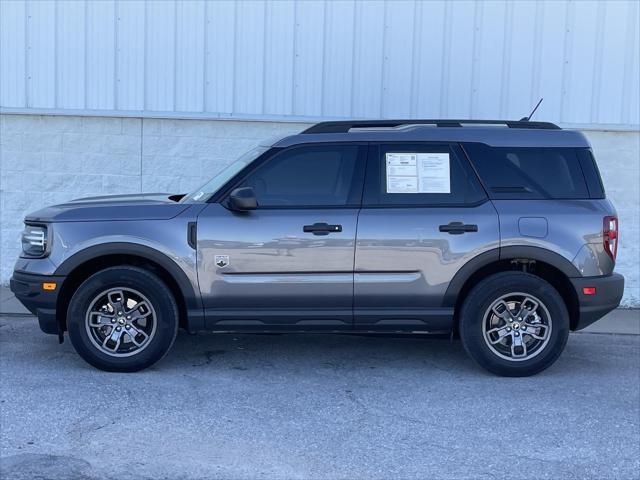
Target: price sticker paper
{"points": [[418, 173]]}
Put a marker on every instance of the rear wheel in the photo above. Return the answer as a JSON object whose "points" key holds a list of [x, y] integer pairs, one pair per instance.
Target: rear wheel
{"points": [[122, 319], [514, 324]]}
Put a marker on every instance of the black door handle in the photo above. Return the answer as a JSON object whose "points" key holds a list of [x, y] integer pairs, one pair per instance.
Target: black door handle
{"points": [[458, 228], [321, 228]]}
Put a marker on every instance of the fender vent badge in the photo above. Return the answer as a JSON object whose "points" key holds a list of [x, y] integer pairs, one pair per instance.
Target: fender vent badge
{"points": [[222, 261]]}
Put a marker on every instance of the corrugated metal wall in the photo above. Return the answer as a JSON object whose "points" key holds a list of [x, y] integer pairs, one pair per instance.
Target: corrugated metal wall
{"points": [[320, 59]]}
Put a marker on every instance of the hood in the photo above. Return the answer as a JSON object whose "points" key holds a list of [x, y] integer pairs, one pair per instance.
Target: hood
{"points": [[139, 206]]}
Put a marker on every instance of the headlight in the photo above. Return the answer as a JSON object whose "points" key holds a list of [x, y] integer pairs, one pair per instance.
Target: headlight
{"points": [[34, 241]]}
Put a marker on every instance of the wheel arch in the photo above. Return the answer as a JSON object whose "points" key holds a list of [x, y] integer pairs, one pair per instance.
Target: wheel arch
{"points": [[80, 266], [548, 265]]}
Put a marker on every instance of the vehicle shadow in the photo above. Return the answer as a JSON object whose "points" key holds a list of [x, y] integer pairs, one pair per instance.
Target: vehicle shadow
{"points": [[337, 351], [357, 353]]}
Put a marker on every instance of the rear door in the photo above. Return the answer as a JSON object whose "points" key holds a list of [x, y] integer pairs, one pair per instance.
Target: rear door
{"points": [[424, 215], [288, 264]]}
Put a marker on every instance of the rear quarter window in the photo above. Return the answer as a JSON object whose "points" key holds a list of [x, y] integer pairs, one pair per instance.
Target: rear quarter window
{"points": [[591, 173], [529, 173]]}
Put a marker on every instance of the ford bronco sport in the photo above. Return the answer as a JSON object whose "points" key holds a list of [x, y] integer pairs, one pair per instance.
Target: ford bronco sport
{"points": [[498, 231]]}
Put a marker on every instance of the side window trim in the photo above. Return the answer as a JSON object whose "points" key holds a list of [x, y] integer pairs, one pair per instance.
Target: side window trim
{"points": [[355, 190]]}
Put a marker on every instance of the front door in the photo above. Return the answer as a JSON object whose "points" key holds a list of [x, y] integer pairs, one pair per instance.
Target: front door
{"points": [[288, 265]]}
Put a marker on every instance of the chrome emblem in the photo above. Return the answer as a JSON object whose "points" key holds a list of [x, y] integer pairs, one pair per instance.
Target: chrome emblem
{"points": [[222, 261]]}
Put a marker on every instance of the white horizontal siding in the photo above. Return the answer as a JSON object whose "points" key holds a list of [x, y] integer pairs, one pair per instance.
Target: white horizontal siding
{"points": [[324, 59]]}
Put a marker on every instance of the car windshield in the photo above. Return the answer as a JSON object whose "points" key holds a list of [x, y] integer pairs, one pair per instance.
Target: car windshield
{"points": [[203, 193]]}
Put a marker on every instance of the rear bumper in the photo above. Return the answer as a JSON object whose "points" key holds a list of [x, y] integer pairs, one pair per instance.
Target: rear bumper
{"points": [[609, 290], [27, 288]]}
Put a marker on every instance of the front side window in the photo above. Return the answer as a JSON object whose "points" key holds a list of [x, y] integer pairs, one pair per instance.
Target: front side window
{"points": [[315, 175]]}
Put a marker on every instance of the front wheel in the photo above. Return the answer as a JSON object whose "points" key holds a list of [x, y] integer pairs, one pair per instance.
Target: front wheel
{"points": [[122, 319], [514, 324]]}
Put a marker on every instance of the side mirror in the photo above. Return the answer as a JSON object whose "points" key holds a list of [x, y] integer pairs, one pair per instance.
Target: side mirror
{"points": [[243, 199]]}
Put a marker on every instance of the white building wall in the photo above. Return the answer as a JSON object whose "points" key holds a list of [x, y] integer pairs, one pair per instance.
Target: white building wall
{"points": [[324, 58]]}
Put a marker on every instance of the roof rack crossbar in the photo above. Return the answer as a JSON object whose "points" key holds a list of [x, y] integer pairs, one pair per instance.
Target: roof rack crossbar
{"points": [[346, 125]]}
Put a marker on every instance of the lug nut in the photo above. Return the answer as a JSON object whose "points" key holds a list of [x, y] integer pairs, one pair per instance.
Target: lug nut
{"points": [[113, 320], [517, 334], [128, 327], [128, 317], [118, 328], [508, 329]]}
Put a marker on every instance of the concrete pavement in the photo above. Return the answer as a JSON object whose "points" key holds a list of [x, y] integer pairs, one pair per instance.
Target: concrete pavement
{"points": [[9, 305], [316, 406]]}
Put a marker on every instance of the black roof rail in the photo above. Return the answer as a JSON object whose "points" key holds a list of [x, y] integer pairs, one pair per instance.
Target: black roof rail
{"points": [[343, 126]]}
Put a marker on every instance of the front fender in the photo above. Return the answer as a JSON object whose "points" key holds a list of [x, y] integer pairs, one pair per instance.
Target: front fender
{"points": [[161, 242]]}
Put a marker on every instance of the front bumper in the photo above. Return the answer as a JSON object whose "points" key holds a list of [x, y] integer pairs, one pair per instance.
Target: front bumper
{"points": [[609, 290], [27, 287]]}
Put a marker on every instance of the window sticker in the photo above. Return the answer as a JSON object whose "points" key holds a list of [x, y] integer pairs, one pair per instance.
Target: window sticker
{"points": [[402, 173], [418, 173], [434, 173]]}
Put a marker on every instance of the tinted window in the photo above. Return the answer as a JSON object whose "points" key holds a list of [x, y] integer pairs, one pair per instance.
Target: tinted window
{"points": [[307, 176], [434, 174], [591, 173], [528, 172]]}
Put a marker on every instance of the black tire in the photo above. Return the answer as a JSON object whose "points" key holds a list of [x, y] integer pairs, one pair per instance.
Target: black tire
{"points": [[165, 315], [478, 303]]}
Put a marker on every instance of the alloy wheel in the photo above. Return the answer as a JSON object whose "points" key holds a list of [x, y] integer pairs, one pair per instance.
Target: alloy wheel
{"points": [[120, 322], [517, 326]]}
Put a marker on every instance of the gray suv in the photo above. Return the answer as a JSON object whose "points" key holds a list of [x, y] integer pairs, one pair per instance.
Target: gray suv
{"points": [[496, 231]]}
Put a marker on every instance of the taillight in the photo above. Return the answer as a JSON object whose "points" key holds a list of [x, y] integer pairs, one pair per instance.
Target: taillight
{"points": [[610, 235]]}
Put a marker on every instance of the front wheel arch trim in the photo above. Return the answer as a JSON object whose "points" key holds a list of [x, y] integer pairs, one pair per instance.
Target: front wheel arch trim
{"points": [[191, 297]]}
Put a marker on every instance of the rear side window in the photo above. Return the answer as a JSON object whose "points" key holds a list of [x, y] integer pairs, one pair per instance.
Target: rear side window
{"points": [[529, 173], [420, 174]]}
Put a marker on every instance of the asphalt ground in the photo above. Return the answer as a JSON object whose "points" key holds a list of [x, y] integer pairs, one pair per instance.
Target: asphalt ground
{"points": [[316, 406]]}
